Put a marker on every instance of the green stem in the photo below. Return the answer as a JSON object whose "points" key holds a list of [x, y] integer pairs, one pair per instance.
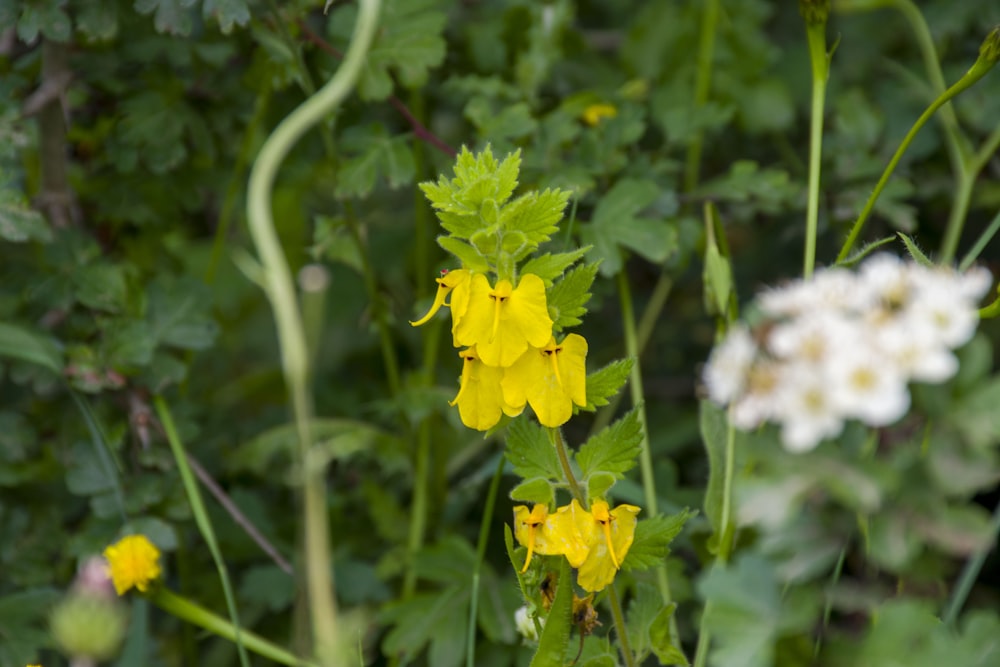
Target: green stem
{"points": [[976, 72], [281, 292], [820, 60], [702, 86], [484, 536], [969, 575], [704, 639], [616, 607], [963, 195], [980, 244], [828, 605], [202, 519], [186, 610]]}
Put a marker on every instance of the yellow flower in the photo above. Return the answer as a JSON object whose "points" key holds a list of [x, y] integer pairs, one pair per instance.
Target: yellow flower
{"points": [[503, 321], [551, 534], [595, 113], [457, 284], [133, 561], [480, 400], [612, 535], [551, 379]]}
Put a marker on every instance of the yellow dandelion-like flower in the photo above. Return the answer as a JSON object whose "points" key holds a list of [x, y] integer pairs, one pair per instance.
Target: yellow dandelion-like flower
{"points": [[133, 561]]}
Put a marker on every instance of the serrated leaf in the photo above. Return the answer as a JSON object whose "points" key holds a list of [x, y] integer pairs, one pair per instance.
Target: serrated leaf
{"points": [[614, 449], [530, 452], [102, 287], [652, 540], [615, 224], [534, 490], [555, 635], [377, 153], [417, 620], [171, 16], [548, 267], [566, 298], [180, 315], [536, 214], [469, 257], [659, 639], [605, 383], [19, 222], [228, 13]]}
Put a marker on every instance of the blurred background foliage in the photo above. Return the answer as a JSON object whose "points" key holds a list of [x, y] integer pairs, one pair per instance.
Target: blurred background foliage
{"points": [[126, 134]]}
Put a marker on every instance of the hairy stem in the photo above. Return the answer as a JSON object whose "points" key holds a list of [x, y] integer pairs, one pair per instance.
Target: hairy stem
{"points": [[820, 60]]}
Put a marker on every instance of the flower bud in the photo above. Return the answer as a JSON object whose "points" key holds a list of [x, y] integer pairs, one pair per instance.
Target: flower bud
{"points": [[89, 626], [990, 49], [815, 12]]}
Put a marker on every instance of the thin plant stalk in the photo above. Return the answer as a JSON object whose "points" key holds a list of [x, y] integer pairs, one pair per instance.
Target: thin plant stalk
{"points": [[202, 520], [981, 243], [645, 456], [979, 69], [277, 282], [963, 196], [702, 86], [484, 536], [969, 575], [616, 606], [820, 62], [182, 608]]}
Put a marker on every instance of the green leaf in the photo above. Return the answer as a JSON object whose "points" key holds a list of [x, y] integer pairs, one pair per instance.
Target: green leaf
{"points": [[534, 490], [228, 13], [496, 122], [555, 635], [648, 626], [102, 287], [469, 257], [566, 298], [530, 452], [717, 275], [173, 16], [19, 343], [19, 222], [615, 224], [376, 153], [598, 484], [516, 561], [180, 314], [714, 431], [548, 267], [659, 639], [536, 214], [22, 617], [605, 383], [915, 252], [614, 449], [653, 538], [428, 618]]}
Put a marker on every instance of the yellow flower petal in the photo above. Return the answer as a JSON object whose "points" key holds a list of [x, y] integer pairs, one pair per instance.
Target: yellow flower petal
{"points": [[449, 281], [480, 400], [502, 321], [566, 532], [614, 532], [550, 379], [595, 113], [133, 561]]}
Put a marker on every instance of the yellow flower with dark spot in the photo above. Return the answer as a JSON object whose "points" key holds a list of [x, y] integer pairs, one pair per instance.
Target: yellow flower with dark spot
{"points": [[552, 534], [455, 283], [502, 321], [613, 533], [595, 113], [133, 561], [551, 379], [480, 400]]}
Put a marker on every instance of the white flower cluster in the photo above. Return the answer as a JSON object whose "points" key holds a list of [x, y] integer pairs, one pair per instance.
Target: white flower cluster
{"points": [[844, 345]]}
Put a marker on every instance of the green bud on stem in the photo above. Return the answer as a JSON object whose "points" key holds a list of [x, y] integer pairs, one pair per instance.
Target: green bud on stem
{"points": [[815, 12]]}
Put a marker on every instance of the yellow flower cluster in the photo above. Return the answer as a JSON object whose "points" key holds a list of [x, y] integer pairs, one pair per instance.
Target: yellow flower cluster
{"points": [[133, 561], [511, 357], [594, 542]]}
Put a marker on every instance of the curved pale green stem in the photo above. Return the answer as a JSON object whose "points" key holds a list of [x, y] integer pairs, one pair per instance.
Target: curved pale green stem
{"points": [[616, 606], [277, 282], [820, 60], [975, 73], [182, 608], [963, 196], [202, 519], [969, 575], [981, 243], [702, 85]]}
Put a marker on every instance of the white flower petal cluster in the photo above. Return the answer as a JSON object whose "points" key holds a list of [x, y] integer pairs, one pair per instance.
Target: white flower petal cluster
{"points": [[844, 345]]}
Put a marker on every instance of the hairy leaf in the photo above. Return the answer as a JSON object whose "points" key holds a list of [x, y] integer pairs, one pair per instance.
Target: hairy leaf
{"points": [[653, 538], [566, 298], [614, 449], [605, 383], [530, 452]]}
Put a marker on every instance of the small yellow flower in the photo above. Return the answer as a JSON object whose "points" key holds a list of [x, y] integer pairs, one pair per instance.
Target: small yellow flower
{"points": [[551, 534], [551, 379], [613, 533], [595, 113], [133, 561], [457, 284], [480, 399], [502, 321]]}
